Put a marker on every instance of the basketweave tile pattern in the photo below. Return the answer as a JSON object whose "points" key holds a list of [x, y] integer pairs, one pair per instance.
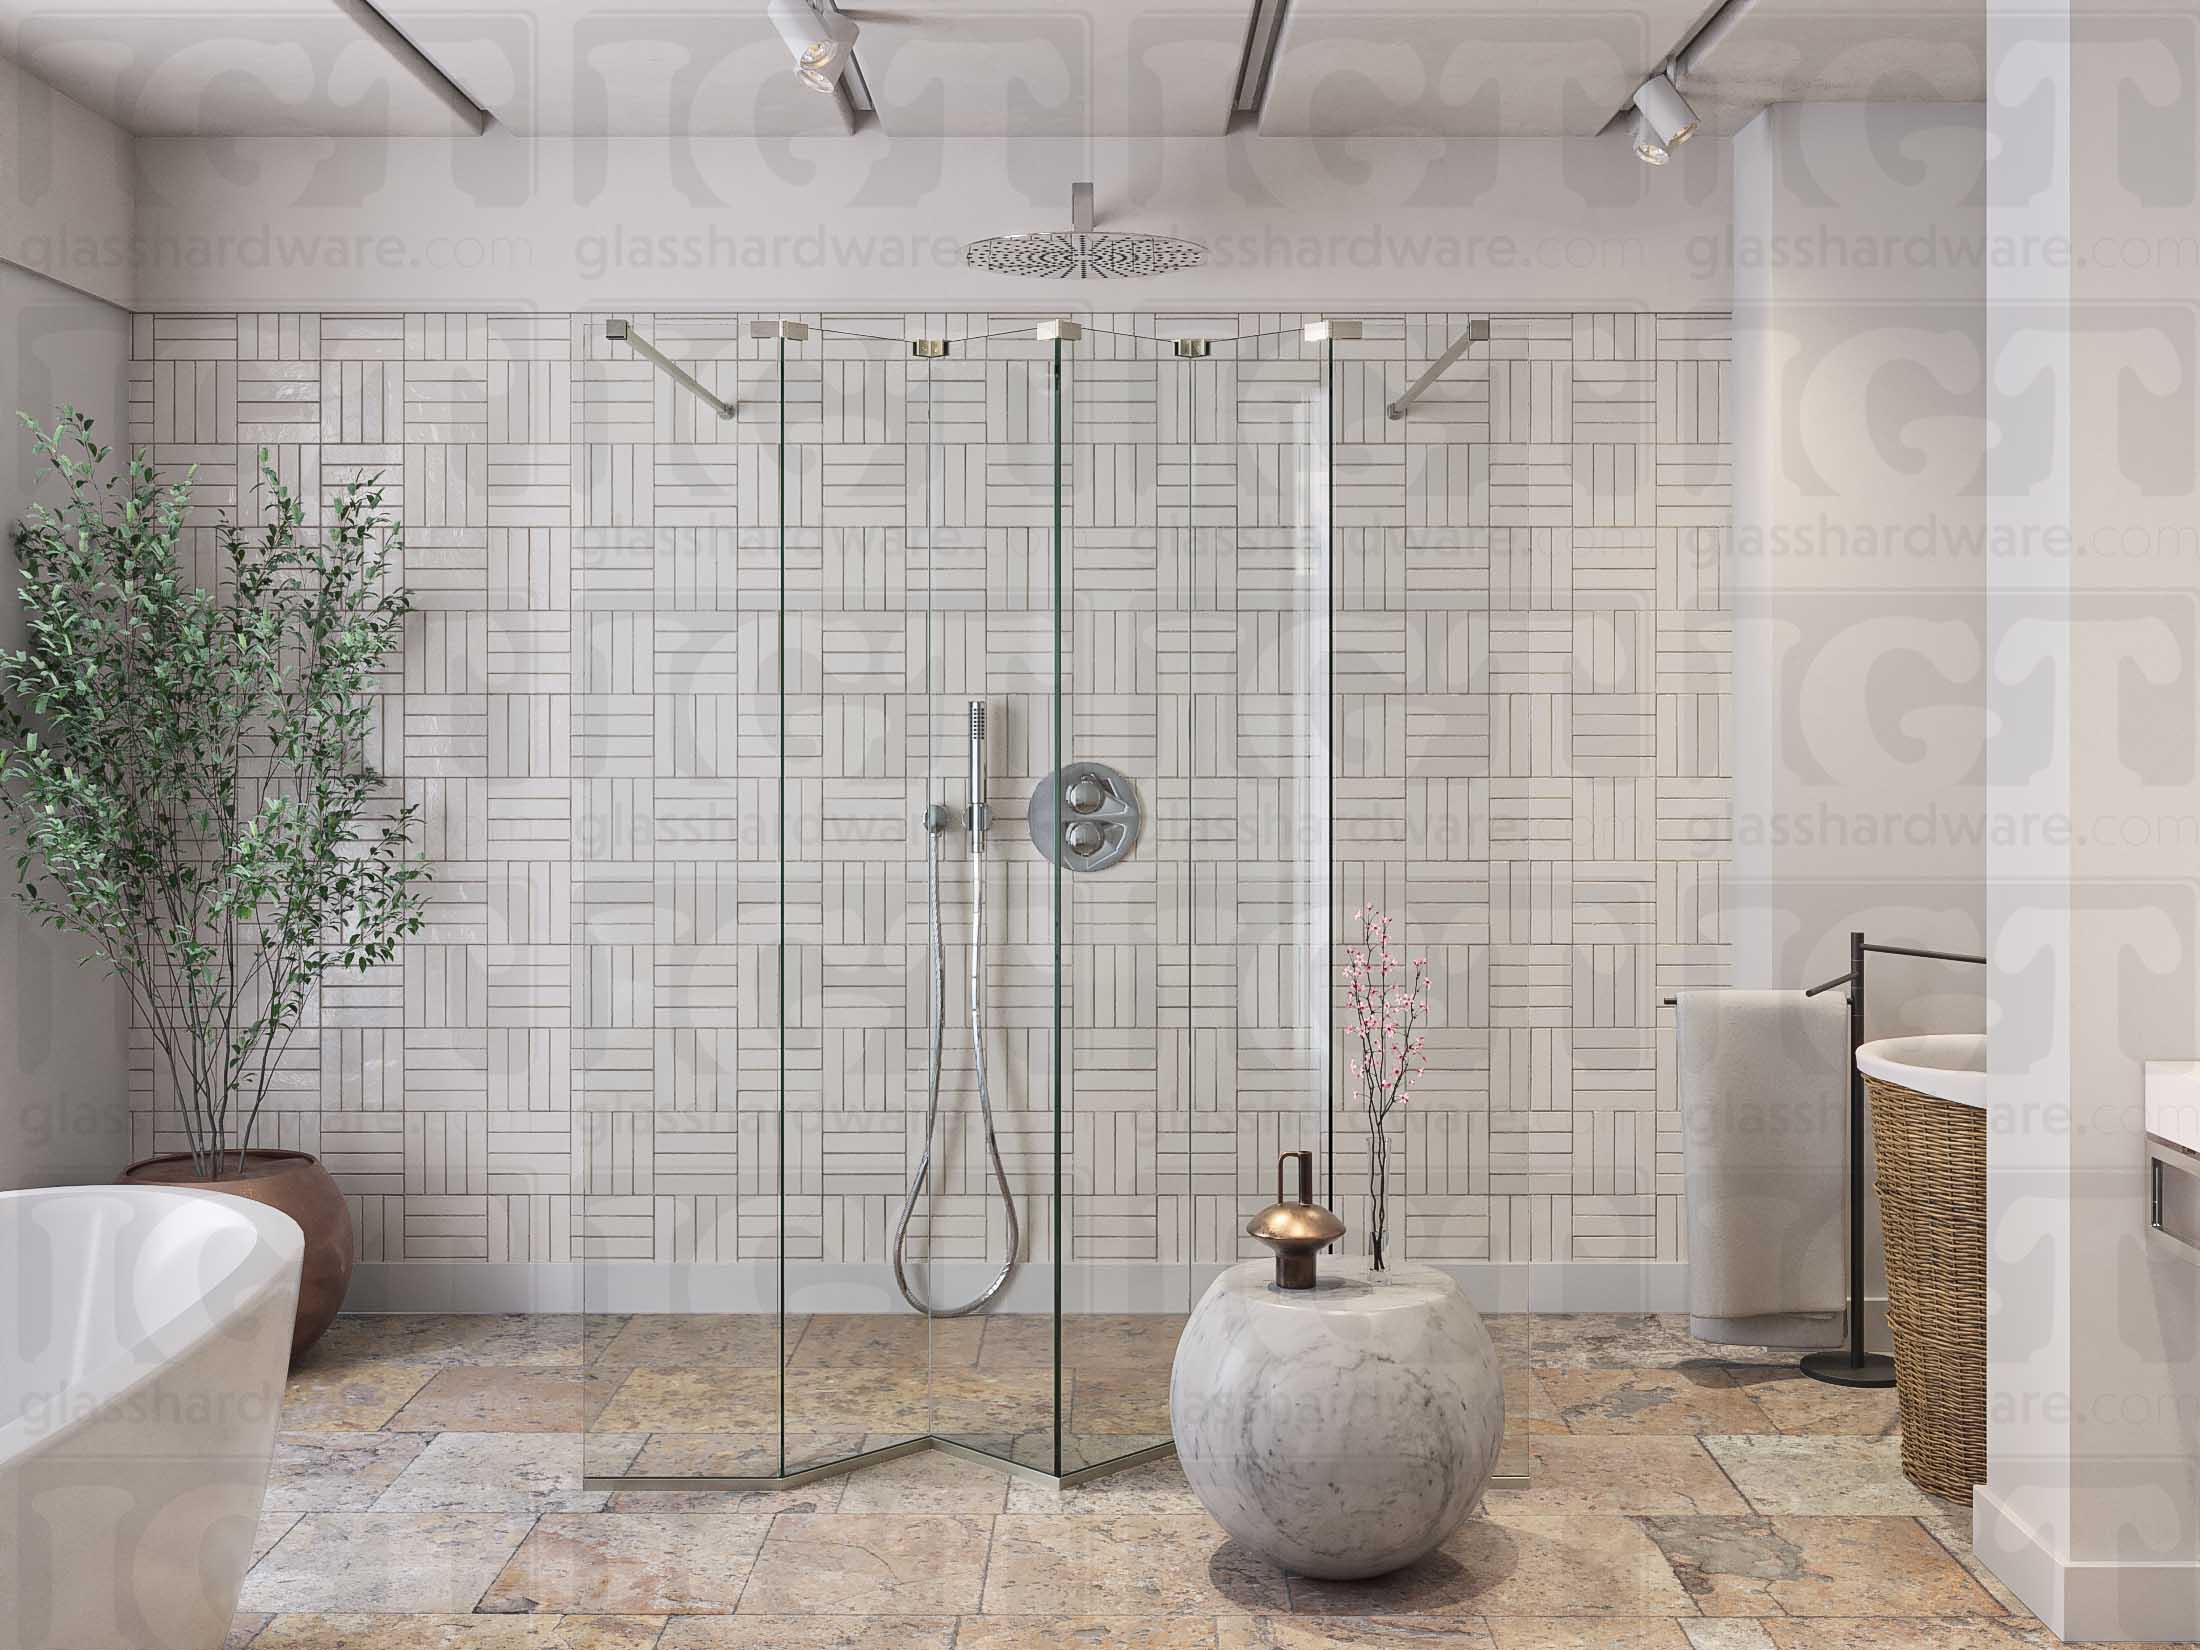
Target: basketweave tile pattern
{"points": [[1529, 652]]}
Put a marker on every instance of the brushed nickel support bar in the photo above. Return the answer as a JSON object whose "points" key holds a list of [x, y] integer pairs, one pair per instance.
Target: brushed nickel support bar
{"points": [[1478, 332], [418, 63], [622, 332]]}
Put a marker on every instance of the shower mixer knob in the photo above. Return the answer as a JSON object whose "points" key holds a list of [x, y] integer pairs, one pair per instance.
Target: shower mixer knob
{"points": [[1084, 817]]}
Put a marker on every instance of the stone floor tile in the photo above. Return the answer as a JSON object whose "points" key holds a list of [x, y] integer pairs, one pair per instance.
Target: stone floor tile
{"points": [[740, 1338], [1753, 1566], [1517, 1564], [695, 1399], [271, 1528], [869, 1564], [1156, 1487], [1352, 1633], [476, 1398], [1117, 1564], [931, 1481], [1821, 1476], [1949, 1523], [1611, 1340], [1893, 1633], [1637, 1475], [530, 1472], [1726, 1633], [1796, 1403], [461, 1632], [1086, 1633], [754, 1632], [1698, 1398], [1106, 1343], [1118, 1403], [243, 1629], [887, 1343], [630, 1563], [383, 1562], [822, 1496], [737, 1454], [350, 1398], [551, 1339], [337, 1471], [1588, 1633]]}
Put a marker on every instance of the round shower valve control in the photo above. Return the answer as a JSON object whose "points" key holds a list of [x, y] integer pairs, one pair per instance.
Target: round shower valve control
{"points": [[1084, 817]]}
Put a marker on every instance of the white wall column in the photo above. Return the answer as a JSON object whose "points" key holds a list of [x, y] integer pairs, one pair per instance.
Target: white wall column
{"points": [[1859, 583], [2092, 1508]]}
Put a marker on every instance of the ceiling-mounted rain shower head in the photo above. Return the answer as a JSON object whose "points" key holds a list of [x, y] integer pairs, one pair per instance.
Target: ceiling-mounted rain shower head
{"points": [[1083, 253]]}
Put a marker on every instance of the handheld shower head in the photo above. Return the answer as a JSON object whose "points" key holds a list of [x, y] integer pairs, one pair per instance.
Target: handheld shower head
{"points": [[979, 815]]}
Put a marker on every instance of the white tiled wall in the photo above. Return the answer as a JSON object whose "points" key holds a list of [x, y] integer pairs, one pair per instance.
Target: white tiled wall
{"points": [[1531, 703]]}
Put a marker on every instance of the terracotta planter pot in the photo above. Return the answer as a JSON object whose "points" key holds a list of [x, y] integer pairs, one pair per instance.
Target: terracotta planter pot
{"points": [[295, 1183]]}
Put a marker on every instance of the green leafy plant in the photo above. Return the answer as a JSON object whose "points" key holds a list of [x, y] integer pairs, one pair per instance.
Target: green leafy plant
{"points": [[186, 770]]}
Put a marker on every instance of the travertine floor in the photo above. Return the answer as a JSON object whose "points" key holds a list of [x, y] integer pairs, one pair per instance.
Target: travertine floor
{"points": [[427, 1497]]}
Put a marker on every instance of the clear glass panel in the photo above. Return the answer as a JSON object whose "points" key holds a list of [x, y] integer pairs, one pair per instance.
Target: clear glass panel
{"points": [[856, 1371], [987, 532], [1197, 577], [667, 913]]}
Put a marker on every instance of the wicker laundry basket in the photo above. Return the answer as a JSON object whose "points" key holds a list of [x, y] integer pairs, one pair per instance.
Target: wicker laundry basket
{"points": [[1932, 1212]]}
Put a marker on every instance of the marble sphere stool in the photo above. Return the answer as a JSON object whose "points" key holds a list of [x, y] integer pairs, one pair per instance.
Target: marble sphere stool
{"points": [[1344, 1430]]}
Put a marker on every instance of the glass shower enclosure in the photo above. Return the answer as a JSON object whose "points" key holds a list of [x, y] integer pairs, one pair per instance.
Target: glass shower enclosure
{"points": [[993, 881]]}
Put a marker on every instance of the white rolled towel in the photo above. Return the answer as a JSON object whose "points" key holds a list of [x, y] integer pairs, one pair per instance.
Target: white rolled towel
{"points": [[1764, 1112]]}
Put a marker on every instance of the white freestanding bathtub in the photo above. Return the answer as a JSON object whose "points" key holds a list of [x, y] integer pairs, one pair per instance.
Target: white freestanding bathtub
{"points": [[144, 1336]]}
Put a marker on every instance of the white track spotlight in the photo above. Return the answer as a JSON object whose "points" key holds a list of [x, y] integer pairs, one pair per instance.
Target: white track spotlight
{"points": [[820, 38], [1668, 113], [1647, 147]]}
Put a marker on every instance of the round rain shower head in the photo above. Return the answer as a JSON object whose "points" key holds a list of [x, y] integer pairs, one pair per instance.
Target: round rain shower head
{"points": [[1083, 253], [1088, 255]]}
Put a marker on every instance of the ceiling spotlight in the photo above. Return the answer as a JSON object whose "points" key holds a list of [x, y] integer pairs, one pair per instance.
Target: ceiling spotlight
{"points": [[820, 37], [1660, 103], [1647, 147]]}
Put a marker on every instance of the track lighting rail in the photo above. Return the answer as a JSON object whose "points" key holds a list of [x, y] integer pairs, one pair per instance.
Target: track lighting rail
{"points": [[1478, 332], [622, 332]]}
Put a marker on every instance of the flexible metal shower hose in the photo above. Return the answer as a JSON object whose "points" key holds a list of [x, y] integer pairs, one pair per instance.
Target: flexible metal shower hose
{"points": [[936, 956]]}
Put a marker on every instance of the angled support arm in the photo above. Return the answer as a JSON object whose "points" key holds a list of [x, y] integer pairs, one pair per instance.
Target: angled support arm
{"points": [[622, 332]]}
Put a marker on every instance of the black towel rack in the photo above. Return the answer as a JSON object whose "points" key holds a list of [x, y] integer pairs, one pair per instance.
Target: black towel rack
{"points": [[1852, 1365]]}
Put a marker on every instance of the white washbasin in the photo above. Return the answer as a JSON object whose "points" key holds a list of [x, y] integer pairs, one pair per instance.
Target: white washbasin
{"points": [[1950, 1065]]}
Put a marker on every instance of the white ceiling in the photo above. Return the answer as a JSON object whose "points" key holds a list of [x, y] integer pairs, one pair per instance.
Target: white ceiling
{"points": [[1097, 68], [176, 68], [1465, 68], [1053, 68], [1812, 51], [700, 68]]}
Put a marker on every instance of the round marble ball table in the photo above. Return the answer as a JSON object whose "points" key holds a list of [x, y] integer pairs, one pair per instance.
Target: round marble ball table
{"points": [[1344, 1430]]}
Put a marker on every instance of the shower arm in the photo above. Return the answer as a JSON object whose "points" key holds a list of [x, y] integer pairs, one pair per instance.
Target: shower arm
{"points": [[622, 332]]}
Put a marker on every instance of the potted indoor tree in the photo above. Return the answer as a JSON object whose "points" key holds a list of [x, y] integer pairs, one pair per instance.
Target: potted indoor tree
{"points": [[183, 758]]}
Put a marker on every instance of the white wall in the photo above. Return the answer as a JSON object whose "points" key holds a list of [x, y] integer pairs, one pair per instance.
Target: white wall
{"points": [[66, 202], [66, 197], [64, 1030], [1859, 583], [1352, 226], [2092, 1507]]}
